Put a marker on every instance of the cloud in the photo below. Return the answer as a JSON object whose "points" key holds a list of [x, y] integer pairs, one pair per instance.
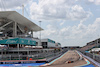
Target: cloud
{"points": [[96, 2], [73, 35], [13, 4], [61, 23], [78, 13], [91, 0], [58, 9]]}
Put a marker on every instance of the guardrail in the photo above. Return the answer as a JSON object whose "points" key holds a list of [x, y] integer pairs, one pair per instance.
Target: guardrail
{"points": [[30, 57], [93, 56]]}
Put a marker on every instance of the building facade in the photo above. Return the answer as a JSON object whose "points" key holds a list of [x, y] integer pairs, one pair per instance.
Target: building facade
{"points": [[48, 43]]}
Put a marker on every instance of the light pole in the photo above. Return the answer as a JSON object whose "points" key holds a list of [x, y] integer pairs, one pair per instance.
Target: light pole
{"points": [[23, 10], [40, 32]]}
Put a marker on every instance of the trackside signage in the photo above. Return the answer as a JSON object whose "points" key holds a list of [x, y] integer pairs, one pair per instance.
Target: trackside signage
{"points": [[11, 41], [51, 41], [18, 41]]}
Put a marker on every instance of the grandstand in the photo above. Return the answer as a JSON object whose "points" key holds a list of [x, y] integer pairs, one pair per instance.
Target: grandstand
{"points": [[90, 45], [16, 41], [13, 24], [87, 47]]}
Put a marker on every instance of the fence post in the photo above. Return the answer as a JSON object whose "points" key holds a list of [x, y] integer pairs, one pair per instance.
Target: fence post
{"points": [[10, 57], [19, 57], [93, 56]]}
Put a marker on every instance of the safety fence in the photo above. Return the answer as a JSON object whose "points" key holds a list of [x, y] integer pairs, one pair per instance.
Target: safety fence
{"points": [[31, 57], [92, 55]]}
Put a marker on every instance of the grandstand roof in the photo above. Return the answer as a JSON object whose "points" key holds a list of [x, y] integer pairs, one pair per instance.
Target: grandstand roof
{"points": [[95, 49], [16, 17]]}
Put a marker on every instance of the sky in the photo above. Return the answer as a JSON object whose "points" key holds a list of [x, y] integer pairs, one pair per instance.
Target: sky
{"points": [[70, 22]]}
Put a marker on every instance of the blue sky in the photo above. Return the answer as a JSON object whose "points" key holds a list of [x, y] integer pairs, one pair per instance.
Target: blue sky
{"points": [[70, 22]]}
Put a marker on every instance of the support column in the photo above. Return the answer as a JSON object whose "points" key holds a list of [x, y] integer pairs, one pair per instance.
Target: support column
{"points": [[18, 49], [14, 29], [32, 33], [8, 45], [28, 53]]}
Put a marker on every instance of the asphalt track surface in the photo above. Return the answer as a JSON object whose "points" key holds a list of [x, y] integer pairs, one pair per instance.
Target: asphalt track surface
{"points": [[71, 55]]}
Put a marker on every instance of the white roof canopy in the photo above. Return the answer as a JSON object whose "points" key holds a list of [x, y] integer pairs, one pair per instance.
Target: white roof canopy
{"points": [[95, 49], [16, 17]]}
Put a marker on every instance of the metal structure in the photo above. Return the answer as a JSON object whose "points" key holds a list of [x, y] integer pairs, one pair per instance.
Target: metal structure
{"points": [[15, 35], [13, 24], [40, 32]]}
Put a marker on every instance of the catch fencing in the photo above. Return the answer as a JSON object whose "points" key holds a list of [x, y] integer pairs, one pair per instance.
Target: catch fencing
{"points": [[31, 57], [92, 55]]}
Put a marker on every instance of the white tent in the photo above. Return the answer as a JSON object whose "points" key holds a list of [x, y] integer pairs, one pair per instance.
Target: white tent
{"points": [[3, 46], [95, 49]]}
